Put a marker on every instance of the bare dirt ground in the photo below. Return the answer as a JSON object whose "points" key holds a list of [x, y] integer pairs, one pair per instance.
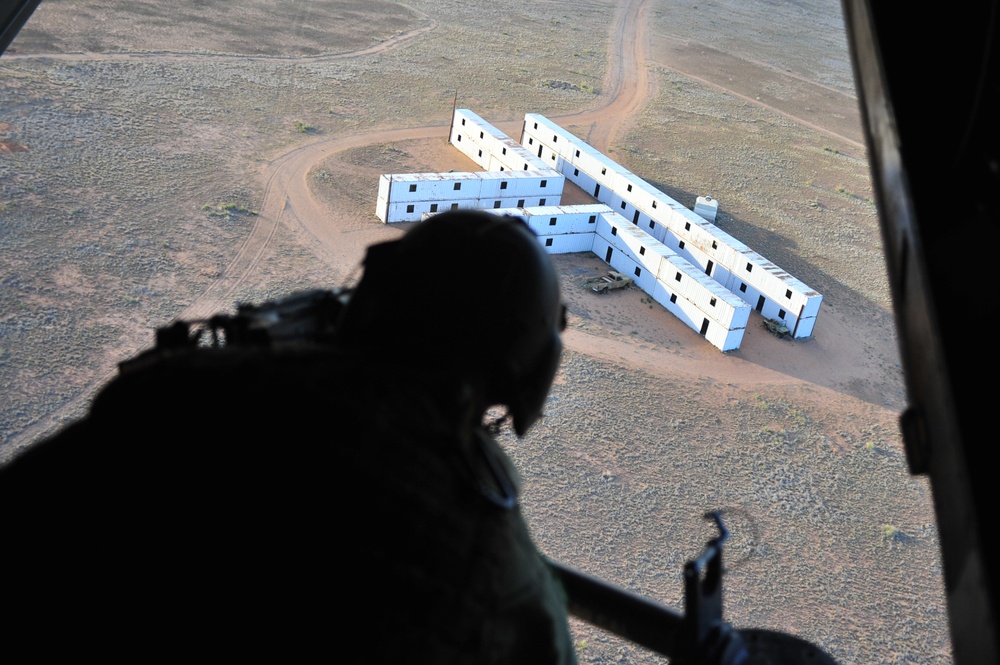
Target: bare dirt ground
{"points": [[175, 169]]}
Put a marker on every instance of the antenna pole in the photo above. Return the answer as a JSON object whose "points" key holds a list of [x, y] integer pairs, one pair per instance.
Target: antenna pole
{"points": [[454, 107]]}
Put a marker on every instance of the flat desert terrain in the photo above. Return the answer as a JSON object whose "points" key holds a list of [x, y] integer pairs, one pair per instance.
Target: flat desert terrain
{"points": [[169, 161]]}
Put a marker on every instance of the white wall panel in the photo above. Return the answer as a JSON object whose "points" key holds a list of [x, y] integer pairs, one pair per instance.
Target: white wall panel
{"points": [[804, 329], [811, 308], [569, 243], [382, 209], [726, 340]]}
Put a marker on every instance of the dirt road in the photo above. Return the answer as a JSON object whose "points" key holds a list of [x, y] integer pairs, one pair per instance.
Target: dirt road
{"points": [[340, 238]]}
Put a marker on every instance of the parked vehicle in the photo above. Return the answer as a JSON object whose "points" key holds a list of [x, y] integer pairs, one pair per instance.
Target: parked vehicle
{"points": [[612, 280], [778, 328]]}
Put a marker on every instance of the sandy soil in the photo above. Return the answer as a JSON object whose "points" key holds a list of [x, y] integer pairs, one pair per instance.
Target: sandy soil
{"points": [[648, 425]]}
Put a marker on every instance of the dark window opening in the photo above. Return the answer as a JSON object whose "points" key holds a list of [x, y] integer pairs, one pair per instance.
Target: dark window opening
{"points": [[677, 277], [623, 205], [630, 188], [544, 183], [520, 203], [781, 314], [743, 288], [553, 157], [434, 207], [531, 141], [480, 135], [614, 230], [654, 204], [715, 245], [504, 151], [525, 167], [555, 139], [687, 226], [593, 218], [503, 184], [749, 267], [650, 223], [604, 171], [463, 121], [536, 125], [501, 168], [638, 272], [413, 188], [552, 221], [577, 153], [788, 293], [642, 251], [541, 202], [409, 208], [496, 204], [680, 245], [480, 153], [459, 138], [454, 206], [548, 242], [458, 185], [673, 297], [712, 302], [576, 171]]}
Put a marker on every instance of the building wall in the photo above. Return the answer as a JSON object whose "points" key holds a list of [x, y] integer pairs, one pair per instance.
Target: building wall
{"points": [[491, 148], [406, 197], [513, 178]]}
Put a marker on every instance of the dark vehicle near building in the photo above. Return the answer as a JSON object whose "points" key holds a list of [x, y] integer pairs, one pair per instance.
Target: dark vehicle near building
{"points": [[608, 282]]}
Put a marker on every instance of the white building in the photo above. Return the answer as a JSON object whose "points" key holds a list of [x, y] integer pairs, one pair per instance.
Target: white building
{"points": [[513, 177], [764, 286], [682, 288], [406, 197], [705, 277]]}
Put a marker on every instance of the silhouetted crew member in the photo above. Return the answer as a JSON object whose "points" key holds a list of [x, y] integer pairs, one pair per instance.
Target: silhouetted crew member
{"points": [[337, 495]]}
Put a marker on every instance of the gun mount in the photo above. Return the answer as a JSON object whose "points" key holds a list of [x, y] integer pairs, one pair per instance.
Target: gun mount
{"points": [[699, 636]]}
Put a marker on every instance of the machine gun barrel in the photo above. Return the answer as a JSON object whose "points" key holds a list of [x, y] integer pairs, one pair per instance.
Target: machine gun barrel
{"points": [[700, 636], [637, 619]]}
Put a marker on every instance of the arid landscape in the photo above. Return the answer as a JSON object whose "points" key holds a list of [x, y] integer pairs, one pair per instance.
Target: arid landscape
{"points": [[169, 161]]}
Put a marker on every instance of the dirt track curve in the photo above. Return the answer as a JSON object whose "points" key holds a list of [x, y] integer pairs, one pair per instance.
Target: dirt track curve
{"points": [[289, 200]]}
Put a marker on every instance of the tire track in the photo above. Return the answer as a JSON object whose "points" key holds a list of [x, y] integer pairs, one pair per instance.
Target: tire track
{"points": [[627, 91], [169, 56], [217, 296]]}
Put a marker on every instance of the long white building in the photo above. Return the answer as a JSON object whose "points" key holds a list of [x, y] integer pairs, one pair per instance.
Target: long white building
{"points": [[513, 177], [706, 278], [682, 288], [758, 282], [407, 197]]}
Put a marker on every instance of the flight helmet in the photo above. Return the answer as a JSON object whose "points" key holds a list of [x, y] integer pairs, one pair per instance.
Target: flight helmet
{"points": [[468, 295]]}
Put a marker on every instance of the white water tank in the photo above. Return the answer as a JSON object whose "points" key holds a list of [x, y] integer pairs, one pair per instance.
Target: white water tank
{"points": [[706, 207]]}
